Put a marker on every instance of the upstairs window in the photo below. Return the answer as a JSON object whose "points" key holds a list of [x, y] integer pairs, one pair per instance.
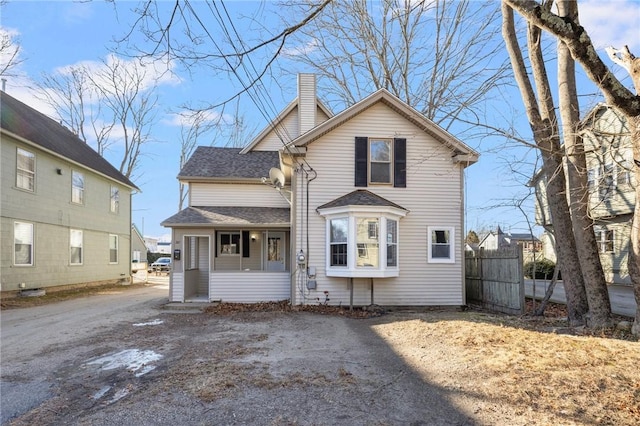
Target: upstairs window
{"points": [[25, 169], [604, 239], [440, 241], [77, 187], [380, 161], [115, 200]]}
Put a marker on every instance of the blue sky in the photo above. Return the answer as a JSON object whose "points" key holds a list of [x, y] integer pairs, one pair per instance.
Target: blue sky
{"points": [[56, 34]]}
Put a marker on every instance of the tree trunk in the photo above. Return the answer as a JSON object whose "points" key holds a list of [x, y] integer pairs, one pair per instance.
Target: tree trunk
{"points": [[586, 246], [544, 127]]}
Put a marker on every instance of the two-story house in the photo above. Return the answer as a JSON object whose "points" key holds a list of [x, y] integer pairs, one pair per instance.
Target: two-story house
{"points": [[609, 155], [361, 207], [66, 212]]}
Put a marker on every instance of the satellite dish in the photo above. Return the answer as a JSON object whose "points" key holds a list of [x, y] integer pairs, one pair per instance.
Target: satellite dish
{"points": [[277, 177]]}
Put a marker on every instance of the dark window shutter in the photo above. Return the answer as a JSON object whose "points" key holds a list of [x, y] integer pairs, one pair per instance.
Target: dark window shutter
{"points": [[245, 243], [215, 243], [362, 152], [400, 163]]}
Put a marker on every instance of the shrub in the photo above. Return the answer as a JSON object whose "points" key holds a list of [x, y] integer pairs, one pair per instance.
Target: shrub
{"points": [[544, 269]]}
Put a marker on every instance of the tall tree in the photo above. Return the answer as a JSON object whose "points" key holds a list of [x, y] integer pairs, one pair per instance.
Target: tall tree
{"points": [[544, 125], [112, 106], [441, 57], [616, 94]]}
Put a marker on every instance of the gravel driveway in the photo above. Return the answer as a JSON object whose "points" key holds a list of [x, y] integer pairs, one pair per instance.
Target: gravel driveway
{"points": [[138, 364]]}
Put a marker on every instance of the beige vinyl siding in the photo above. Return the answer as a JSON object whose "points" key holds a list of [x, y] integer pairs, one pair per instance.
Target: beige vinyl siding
{"points": [[433, 197], [235, 195], [287, 131], [249, 287], [176, 293], [50, 209]]}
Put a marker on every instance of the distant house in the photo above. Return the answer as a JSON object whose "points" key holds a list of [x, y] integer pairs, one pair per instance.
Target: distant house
{"points": [[163, 247], [494, 240], [360, 207], [609, 152], [66, 212], [138, 246]]}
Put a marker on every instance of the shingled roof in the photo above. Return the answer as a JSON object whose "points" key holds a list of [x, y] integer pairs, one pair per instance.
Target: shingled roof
{"points": [[236, 216], [360, 197], [40, 130], [208, 162]]}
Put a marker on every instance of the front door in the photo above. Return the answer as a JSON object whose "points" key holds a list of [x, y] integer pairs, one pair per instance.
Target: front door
{"points": [[275, 252]]}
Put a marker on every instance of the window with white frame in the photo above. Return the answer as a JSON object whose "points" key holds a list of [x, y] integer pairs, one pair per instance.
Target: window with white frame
{"points": [[115, 199], [440, 244], [75, 247], [25, 169], [338, 241], [77, 187], [604, 239], [380, 164], [229, 243], [23, 244], [356, 244], [113, 248]]}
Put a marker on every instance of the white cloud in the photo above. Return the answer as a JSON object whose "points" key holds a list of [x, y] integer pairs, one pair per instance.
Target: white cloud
{"points": [[612, 23], [189, 119], [304, 49]]}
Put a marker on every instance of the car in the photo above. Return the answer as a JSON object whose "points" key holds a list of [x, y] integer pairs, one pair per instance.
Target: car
{"points": [[162, 264]]}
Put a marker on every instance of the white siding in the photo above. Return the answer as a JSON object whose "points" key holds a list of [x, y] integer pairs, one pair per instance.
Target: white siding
{"points": [[177, 287], [433, 197], [249, 287], [235, 195], [287, 131], [306, 102]]}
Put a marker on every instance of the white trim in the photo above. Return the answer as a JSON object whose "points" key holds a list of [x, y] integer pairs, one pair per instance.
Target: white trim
{"points": [[452, 244]]}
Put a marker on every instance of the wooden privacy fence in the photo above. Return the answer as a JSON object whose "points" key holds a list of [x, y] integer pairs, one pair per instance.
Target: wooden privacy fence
{"points": [[494, 279]]}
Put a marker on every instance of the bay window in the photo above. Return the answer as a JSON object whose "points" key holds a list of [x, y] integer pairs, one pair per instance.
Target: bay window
{"points": [[362, 241]]}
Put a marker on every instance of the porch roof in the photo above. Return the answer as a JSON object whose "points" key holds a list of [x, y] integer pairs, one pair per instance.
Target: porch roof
{"points": [[225, 216]]}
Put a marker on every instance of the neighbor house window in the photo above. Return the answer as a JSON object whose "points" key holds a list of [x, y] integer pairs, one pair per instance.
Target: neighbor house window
{"points": [[77, 187], [23, 244], [75, 247], [604, 239], [380, 161], [338, 241], [229, 243], [440, 244], [115, 199], [113, 249], [25, 169]]}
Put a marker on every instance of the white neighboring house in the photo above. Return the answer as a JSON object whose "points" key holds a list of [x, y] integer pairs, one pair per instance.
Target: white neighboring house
{"points": [[361, 207]]}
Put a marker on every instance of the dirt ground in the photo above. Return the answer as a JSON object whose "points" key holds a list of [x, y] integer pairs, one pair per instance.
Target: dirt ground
{"points": [[271, 365]]}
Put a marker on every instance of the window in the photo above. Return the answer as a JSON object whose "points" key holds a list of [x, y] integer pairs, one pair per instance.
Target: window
{"points": [[604, 239], [392, 242], [380, 161], [607, 182], [623, 174], [25, 170], [75, 247], [23, 244], [77, 187], [115, 199], [362, 240], [338, 241], [440, 244], [113, 249], [229, 243]]}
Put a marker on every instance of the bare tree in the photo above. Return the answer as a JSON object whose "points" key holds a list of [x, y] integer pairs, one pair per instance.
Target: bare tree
{"points": [[441, 57], [9, 53], [112, 105], [544, 126], [582, 50]]}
